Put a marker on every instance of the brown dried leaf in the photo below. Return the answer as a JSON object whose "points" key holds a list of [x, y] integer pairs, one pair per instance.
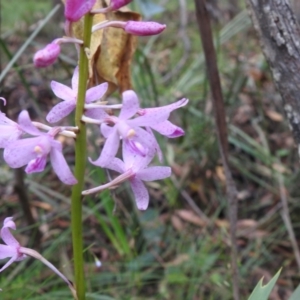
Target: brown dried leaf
{"points": [[274, 115], [177, 223], [115, 54], [190, 217], [111, 49]]}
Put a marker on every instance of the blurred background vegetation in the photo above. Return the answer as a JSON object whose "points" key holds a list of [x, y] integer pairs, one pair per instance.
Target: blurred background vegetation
{"points": [[179, 248]]}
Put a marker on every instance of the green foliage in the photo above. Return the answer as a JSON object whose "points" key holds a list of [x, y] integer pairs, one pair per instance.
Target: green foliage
{"points": [[262, 292], [14, 12]]}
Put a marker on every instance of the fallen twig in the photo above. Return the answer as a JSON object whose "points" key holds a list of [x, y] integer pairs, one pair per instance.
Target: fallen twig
{"points": [[221, 126]]}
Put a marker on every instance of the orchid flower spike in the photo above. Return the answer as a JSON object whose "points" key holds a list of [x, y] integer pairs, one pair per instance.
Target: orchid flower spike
{"points": [[134, 169], [13, 250], [33, 151], [69, 95]]}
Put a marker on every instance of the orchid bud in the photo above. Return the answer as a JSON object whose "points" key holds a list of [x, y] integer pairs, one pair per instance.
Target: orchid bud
{"points": [[75, 9], [46, 56], [116, 4], [144, 28]]}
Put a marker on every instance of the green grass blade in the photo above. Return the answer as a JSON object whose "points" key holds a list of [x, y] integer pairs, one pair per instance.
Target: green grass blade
{"points": [[28, 41], [262, 292], [296, 294]]}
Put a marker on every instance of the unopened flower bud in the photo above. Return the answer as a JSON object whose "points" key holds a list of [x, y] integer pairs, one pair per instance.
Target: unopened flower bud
{"points": [[144, 28], [46, 56], [116, 4], [75, 9]]}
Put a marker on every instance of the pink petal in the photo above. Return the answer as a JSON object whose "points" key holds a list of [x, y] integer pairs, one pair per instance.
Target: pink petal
{"points": [[96, 113], [116, 4], [149, 119], [167, 108], [26, 124], [61, 167], [36, 165], [117, 165], [60, 111], [156, 144], [9, 134], [154, 173], [75, 80], [106, 130], [75, 9], [96, 93], [109, 150], [130, 105], [9, 130], [62, 91], [6, 235], [140, 192], [168, 129], [4, 120], [19, 153], [148, 142], [13, 259], [7, 251]]}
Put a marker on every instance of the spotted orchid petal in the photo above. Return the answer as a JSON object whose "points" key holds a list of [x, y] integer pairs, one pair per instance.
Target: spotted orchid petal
{"points": [[109, 150], [106, 130], [140, 192], [154, 173], [96, 113], [96, 93], [60, 110], [155, 145], [9, 131], [130, 105], [116, 165], [26, 125], [168, 129], [62, 91], [60, 167]]}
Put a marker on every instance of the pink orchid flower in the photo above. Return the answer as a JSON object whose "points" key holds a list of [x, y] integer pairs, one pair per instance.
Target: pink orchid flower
{"points": [[13, 250], [9, 131], [69, 95], [129, 130], [12, 247], [134, 169], [75, 9], [33, 151]]}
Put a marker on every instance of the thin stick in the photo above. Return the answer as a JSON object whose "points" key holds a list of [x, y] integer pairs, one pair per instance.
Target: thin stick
{"points": [[285, 214], [203, 20], [22, 193]]}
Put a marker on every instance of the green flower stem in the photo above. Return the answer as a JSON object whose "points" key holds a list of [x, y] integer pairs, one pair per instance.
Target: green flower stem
{"points": [[80, 162]]}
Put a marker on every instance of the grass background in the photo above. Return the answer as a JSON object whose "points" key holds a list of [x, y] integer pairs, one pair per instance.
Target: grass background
{"points": [[169, 251]]}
